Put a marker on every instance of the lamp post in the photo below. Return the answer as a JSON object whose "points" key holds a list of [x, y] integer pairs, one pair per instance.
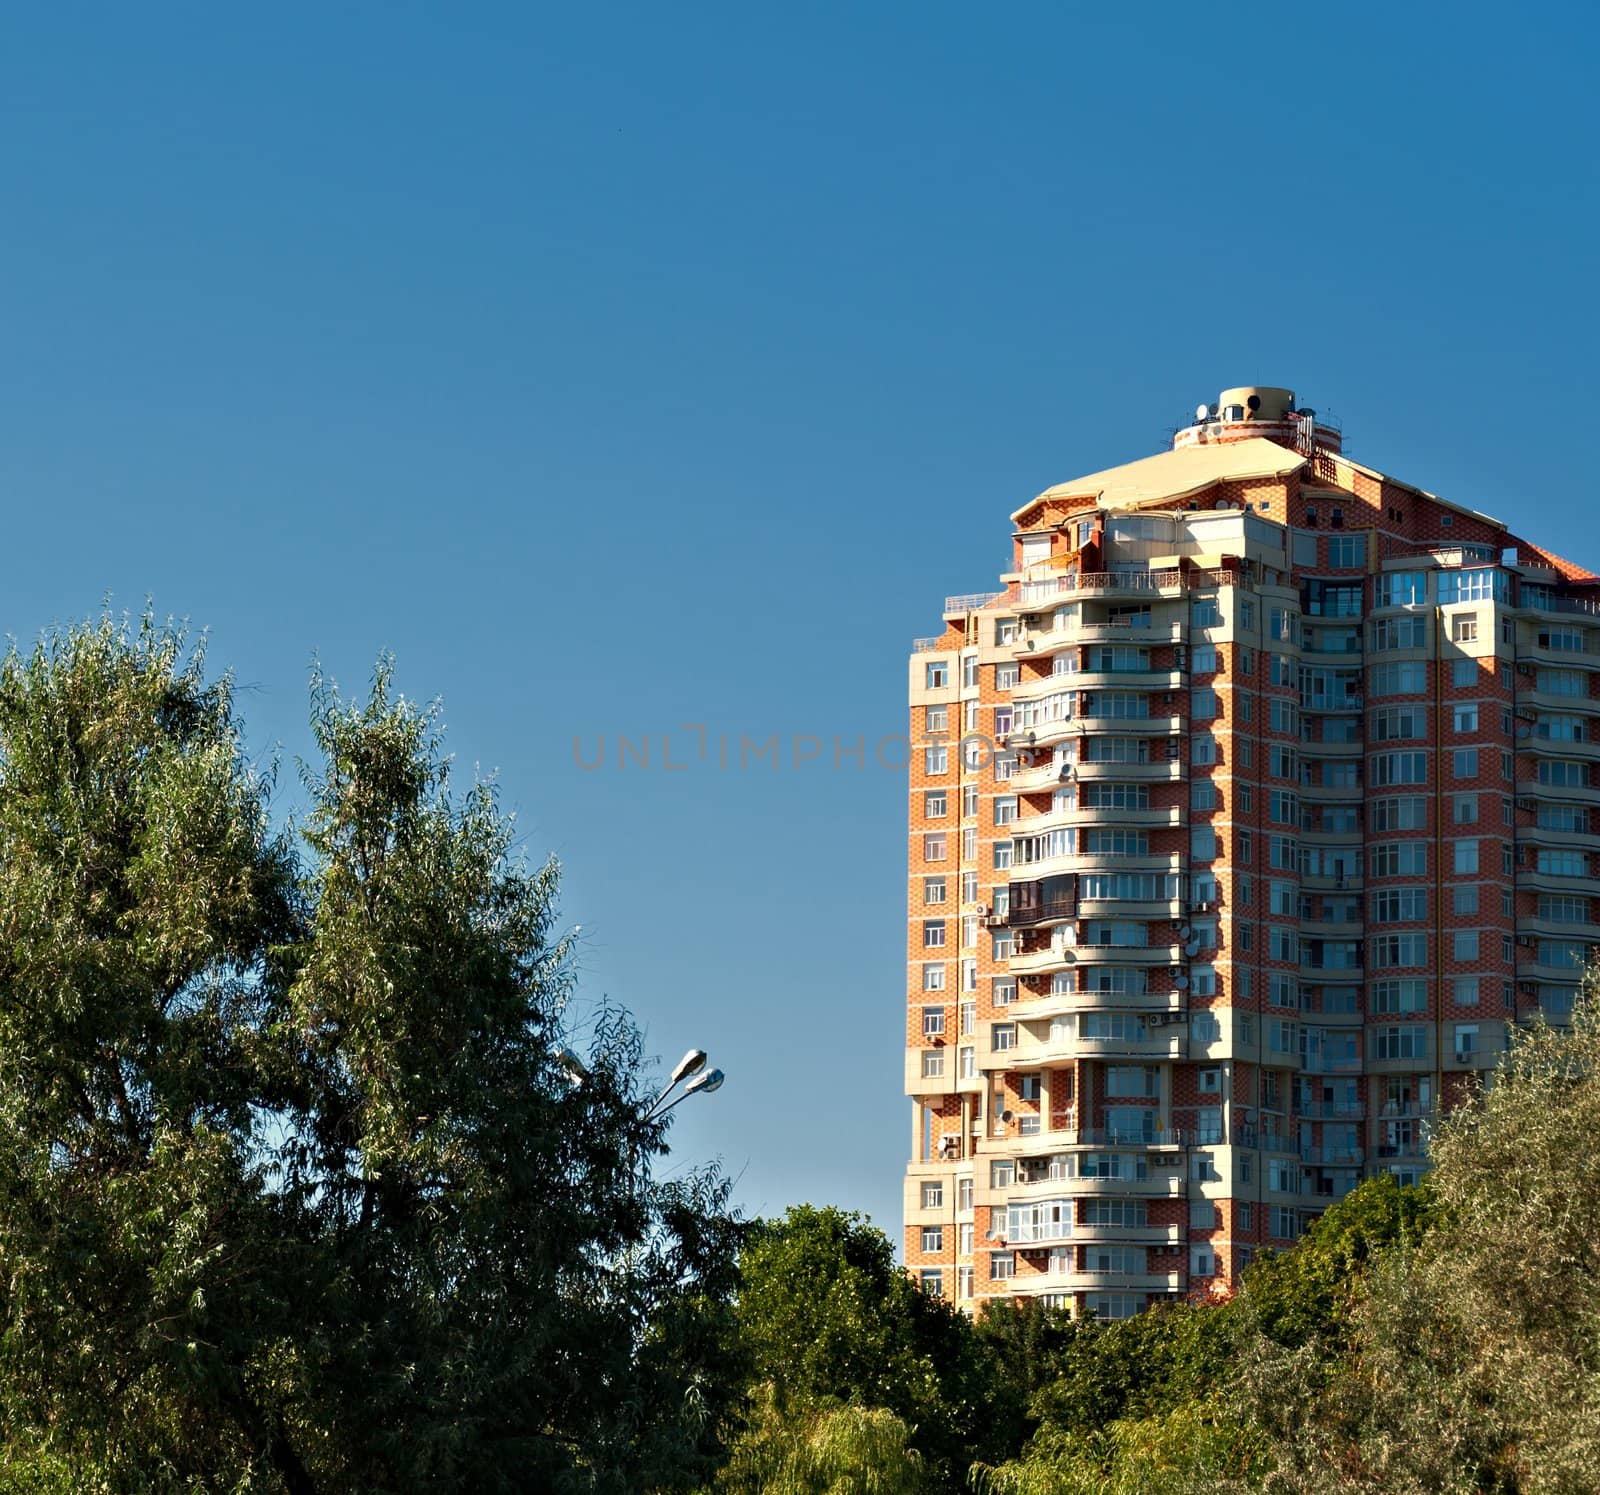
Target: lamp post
{"points": [[701, 1081]]}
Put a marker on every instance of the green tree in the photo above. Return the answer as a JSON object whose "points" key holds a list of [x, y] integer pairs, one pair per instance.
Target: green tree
{"points": [[848, 1450], [1294, 1296], [294, 1194], [828, 1320], [1474, 1361]]}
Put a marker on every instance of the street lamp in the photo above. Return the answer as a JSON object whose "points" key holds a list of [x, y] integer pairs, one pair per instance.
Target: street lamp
{"points": [[703, 1081]]}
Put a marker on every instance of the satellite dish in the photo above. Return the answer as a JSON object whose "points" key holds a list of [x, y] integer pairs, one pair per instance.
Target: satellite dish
{"points": [[1192, 949], [1524, 732], [1180, 983], [1201, 411], [1185, 932]]}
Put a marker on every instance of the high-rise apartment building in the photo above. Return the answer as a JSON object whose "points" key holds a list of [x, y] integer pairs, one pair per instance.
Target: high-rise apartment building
{"points": [[1244, 821]]}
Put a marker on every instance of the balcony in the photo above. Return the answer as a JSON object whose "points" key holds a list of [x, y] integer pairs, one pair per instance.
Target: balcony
{"points": [[969, 602], [1042, 913], [1132, 726], [1482, 1052], [1129, 955], [1094, 1282], [1337, 1157], [1170, 1235], [1144, 772], [1122, 815], [1331, 1110], [1031, 1052], [1038, 962], [1562, 606], [1054, 1004]]}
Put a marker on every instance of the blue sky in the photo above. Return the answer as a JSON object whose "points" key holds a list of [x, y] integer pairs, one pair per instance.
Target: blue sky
{"points": [[622, 367]]}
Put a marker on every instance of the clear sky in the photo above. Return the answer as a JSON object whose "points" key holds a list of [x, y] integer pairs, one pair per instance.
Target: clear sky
{"points": [[623, 367]]}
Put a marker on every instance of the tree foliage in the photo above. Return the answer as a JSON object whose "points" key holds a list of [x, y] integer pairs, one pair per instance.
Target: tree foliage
{"points": [[827, 1320], [293, 1195]]}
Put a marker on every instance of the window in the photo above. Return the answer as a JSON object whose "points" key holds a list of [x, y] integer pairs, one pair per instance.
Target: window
{"points": [[1564, 863], [1388, 997], [936, 759], [932, 934], [1464, 944], [932, 1238], [1563, 773], [1562, 682], [1464, 898], [1003, 1036], [1399, 859], [934, 804], [1405, 813], [1562, 639], [1402, 589], [1574, 818], [1464, 991], [1002, 1264], [1203, 661], [1465, 856], [1463, 628], [1463, 809], [1464, 763], [1398, 768], [1003, 990], [1005, 809], [1562, 908], [1397, 633], [1112, 1305], [1401, 678], [1569, 955], [933, 1064], [1137, 1080], [931, 1280], [938, 674], [964, 1193], [1203, 702], [1204, 613], [1202, 844], [1389, 950], [1396, 905], [932, 1022], [1007, 676], [933, 977], [1345, 551], [1409, 1042], [933, 890]]}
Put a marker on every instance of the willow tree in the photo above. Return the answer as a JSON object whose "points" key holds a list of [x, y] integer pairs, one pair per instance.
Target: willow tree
{"points": [[294, 1194]]}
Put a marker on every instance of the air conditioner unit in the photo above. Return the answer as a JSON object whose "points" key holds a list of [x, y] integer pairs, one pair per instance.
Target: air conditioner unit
{"points": [[1526, 802], [1526, 941], [1524, 669], [983, 908], [1527, 988], [1527, 713]]}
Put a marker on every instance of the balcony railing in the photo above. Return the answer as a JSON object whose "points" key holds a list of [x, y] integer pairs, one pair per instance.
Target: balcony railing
{"points": [[926, 645], [971, 602], [1057, 908]]}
